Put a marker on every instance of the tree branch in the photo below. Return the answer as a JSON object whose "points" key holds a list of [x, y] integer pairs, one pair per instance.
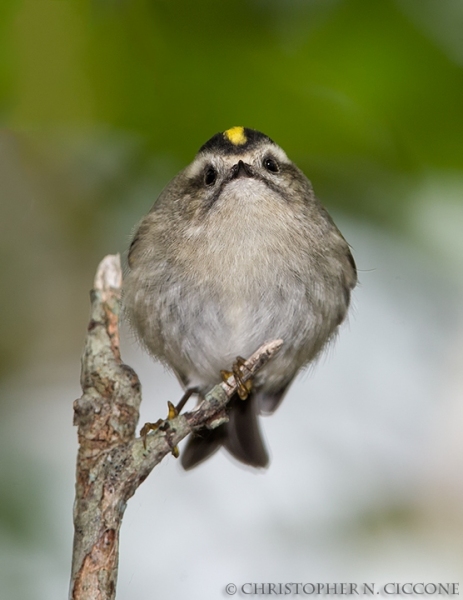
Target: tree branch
{"points": [[111, 461]]}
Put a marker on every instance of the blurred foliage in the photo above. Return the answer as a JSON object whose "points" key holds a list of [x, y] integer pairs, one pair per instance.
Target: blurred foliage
{"points": [[102, 101], [22, 506]]}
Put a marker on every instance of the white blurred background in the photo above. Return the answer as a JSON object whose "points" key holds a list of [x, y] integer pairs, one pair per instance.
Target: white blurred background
{"points": [[365, 477]]}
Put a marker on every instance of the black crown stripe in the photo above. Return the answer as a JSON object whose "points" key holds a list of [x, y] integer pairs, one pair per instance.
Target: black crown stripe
{"points": [[222, 144]]}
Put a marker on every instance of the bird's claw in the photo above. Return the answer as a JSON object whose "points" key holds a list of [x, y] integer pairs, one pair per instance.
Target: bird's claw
{"points": [[161, 424], [243, 387]]}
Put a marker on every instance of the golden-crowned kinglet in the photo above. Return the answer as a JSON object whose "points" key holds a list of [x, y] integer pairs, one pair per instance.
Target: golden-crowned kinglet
{"points": [[237, 251]]}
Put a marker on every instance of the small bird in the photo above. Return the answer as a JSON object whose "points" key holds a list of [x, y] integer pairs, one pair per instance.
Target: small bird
{"points": [[237, 251]]}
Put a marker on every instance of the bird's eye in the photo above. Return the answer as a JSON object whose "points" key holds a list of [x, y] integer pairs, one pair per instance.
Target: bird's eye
{"points": [[271, 164], [210, 175]]}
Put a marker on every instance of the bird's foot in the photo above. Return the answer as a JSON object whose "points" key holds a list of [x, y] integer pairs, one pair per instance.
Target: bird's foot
{"points": [[162, 424], [239, 367], [184, 399]]}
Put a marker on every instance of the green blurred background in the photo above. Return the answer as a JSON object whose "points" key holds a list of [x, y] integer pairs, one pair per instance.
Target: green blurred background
{"points": [[103, 101]]}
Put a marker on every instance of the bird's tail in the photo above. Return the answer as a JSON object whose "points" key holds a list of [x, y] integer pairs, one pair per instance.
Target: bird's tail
{"points": [[241, 436]]}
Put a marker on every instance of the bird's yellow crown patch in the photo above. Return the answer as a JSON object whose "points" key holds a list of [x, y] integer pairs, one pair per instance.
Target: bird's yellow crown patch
{"points": [[236, 136]]}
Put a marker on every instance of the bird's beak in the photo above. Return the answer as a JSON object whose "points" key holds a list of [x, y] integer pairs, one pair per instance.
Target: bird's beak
{"points": [[241, 169]]}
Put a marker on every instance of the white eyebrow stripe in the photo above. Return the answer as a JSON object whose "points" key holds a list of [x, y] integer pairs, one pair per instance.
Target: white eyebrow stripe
{"points": [[278, 153], [202, 160], [198, 165]]}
